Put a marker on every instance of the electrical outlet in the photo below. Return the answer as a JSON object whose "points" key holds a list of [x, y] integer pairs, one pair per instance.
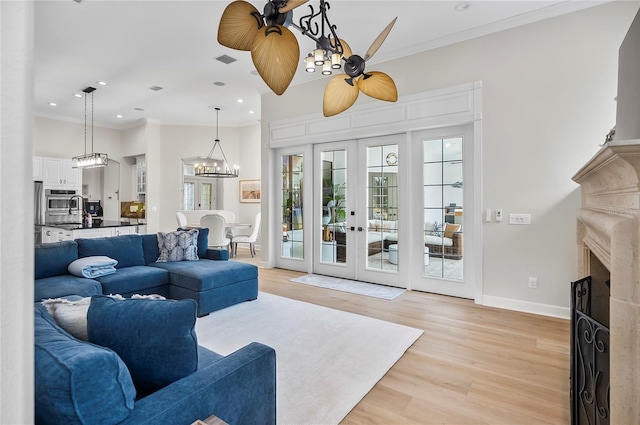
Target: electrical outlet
{"points": [[499, 215], [533, 282]]}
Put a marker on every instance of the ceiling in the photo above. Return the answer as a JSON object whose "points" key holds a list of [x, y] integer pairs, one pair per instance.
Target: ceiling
{"points": [[136, 45]]}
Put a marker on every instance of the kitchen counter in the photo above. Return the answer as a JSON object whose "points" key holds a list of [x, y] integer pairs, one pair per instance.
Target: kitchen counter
{"points": [[57, 232], [95, 225]]}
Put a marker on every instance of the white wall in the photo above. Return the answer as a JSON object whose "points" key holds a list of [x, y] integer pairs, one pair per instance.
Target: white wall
{"points": [[168, 144], [16, 212], [548, 91], [251, 165]]}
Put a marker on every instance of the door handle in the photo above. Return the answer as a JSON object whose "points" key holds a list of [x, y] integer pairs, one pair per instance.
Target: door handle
{"points": [[360, 229], [352, 228]]}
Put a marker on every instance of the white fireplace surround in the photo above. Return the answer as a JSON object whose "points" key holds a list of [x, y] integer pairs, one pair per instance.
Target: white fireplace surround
{"points": [[609, 227]]}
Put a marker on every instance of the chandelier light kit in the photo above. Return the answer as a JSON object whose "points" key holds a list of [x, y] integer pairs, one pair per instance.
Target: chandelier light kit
{"points": [[275, 51], [216, 168], [93, 159]]}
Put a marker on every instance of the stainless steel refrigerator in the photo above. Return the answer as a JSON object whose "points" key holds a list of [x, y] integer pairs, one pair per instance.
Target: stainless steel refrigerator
{"points": [[38, 210]]}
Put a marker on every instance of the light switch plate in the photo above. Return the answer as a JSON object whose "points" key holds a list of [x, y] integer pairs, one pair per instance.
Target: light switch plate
{"points": [[519, 218]]}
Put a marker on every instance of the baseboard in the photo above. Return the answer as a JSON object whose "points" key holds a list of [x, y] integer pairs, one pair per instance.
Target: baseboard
{"points": [[527, 306]]}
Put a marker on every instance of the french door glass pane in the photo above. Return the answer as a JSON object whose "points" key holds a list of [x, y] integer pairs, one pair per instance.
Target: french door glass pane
{"points": [[189, 200], [333, 241], [292, 212], [206, 195], [443, 208], [382, 207]]}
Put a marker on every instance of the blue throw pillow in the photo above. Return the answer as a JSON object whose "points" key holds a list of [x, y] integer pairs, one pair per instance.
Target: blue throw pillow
{"points": [[77, 382], [155, 338]]}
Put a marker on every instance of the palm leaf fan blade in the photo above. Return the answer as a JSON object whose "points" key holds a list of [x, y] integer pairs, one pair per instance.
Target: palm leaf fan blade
{"points": [[275, 54], [379, 86], [339, 95], [291, 4], [239, 25], [379, 40]]}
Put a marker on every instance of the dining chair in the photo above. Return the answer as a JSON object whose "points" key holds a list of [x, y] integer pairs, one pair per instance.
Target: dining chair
{"points": [[250, 239], [217, 228], [182, 220], [229, 217]]}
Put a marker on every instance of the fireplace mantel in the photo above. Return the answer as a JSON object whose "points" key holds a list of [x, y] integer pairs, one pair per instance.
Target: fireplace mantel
{"points": [[609, 227]]}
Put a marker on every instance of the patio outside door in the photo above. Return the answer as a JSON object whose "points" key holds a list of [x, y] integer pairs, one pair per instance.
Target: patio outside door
{"points": [[445, 202], [356, 232]]}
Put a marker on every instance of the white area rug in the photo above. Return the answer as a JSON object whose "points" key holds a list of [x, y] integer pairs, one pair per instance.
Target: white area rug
{"points": [[326, 359], [353, 286]]}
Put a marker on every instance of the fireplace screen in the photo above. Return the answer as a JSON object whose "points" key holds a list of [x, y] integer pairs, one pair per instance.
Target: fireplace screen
{"points": [[590, 351]]}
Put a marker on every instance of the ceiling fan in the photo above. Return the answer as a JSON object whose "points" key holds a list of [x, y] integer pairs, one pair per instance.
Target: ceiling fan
{"points": [[342, 91], [275, 51]]}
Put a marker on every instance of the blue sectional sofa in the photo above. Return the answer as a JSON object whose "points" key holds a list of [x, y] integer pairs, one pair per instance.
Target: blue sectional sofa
{"points": [[212, 281], [78, 382], [140, 362]]}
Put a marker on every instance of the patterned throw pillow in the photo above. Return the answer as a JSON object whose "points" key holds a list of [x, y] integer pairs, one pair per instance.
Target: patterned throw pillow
{"points": [[437, 230], [178, 246]]}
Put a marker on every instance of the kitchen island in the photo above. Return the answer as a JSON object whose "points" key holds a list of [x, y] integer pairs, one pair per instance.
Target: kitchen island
{"points": [[57, 232]]}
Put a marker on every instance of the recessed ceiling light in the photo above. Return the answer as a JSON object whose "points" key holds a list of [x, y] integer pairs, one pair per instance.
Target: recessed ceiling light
{"points": [[251, 112], [139, 109], [102, 83], [155, 88], [460, 7], [118, 116], [52, 104], [77, 95], [219, 84], [240, 100]]}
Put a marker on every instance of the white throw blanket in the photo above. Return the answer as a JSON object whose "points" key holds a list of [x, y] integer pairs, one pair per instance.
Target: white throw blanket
{"points": [[93, 266]]}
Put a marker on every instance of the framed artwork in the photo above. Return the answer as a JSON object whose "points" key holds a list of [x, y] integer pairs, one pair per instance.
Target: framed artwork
{"points": [[249, 190]]}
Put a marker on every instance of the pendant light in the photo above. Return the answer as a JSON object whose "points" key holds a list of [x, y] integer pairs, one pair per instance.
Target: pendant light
{"points": [[93, 159], [216, 168]]}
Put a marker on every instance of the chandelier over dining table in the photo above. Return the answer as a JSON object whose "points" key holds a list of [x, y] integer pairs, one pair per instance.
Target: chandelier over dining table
{"points": [[216, 167], [275, 51]]}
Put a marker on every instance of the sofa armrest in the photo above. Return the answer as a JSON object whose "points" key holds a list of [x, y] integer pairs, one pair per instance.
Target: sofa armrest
{"points": [[239, 389], [218, 254], [457, 239]]}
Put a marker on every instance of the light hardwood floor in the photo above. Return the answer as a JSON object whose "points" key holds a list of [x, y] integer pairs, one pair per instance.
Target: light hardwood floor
{"points": [[473, 364]]}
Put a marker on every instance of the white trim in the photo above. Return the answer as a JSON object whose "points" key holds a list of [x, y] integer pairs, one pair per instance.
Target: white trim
{"points": [[527, 307], [437, 108]]}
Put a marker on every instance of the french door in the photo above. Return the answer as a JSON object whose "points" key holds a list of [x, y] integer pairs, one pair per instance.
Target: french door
{"points": [[356, 231], [445, 207], [198, 194]]}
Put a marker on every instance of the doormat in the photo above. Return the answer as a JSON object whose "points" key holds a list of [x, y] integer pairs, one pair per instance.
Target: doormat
{"points": [[352, 286]]}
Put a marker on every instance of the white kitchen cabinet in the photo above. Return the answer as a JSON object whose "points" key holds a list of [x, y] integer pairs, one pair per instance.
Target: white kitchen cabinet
{"points": [[107, 232], [55, 234], [38, 168], [59, 173], [141, 175], [125, 230]]}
